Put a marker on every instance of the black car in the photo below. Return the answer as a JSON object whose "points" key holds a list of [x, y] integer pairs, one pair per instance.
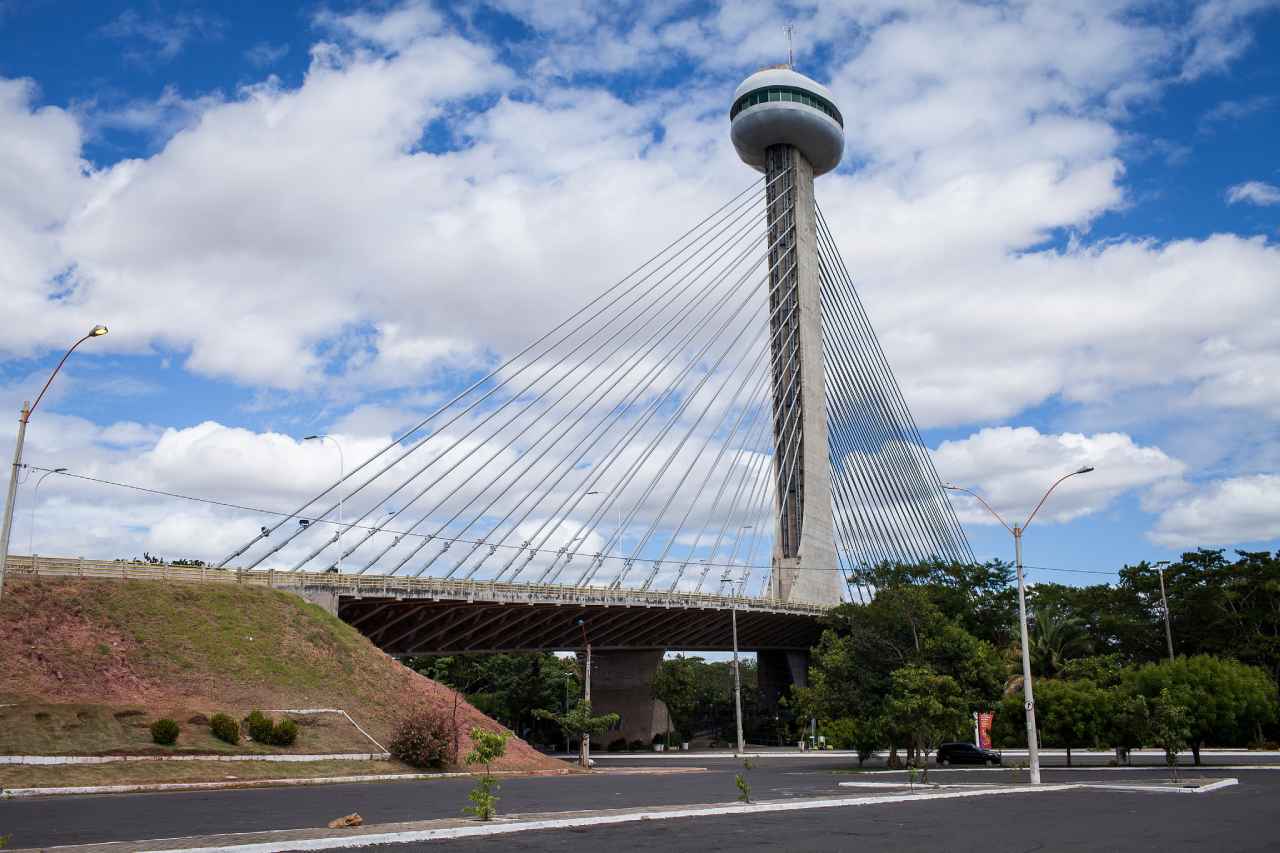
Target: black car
{"points": [[966, 753]]}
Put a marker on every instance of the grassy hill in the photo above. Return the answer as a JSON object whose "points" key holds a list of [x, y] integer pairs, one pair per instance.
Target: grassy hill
{"points": [[88, 664]]}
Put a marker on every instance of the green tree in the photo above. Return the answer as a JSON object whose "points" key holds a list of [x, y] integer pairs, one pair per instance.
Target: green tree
{"points": [[1070, 714], [487, 747], [579, 720], [677, 683], [1056, 638], [1171, 726], [1228, 701], [1127, 723], [924, 708]]}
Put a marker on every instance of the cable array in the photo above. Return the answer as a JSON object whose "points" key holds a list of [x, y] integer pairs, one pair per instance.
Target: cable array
{"points": [[634, 443], [888, 502]]}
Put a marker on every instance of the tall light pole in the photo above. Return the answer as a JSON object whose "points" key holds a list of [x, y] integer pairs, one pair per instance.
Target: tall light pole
{"points": [[584, 748], [24, 417], [1033, 748], [35, 499], [342, 474], [1168, 632], [737, 679]]}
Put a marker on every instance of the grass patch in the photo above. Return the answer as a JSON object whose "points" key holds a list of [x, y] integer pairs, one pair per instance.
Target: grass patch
{"points": [[79, 729], [155, 772]]}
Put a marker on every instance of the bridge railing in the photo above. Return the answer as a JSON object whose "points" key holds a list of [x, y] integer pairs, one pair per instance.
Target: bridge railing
{"points": [[395, 585]]}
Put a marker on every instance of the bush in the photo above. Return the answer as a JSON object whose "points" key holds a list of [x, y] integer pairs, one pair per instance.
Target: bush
{"points": [[660, 739], [267, 731], [225, 728], [284, 733], [618, 745], [259, 726], [636, 745], [164, 732], [424, 739]]}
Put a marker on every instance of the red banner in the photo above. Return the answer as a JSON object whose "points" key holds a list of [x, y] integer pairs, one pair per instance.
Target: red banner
{"points": [[984, 728]]}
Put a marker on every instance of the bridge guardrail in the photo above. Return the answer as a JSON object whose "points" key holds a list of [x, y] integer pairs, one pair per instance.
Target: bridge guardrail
{"points": [[396, 586]]}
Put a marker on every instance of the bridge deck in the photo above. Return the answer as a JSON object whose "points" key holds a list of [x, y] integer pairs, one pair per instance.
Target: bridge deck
{"points": [[405, 615]]}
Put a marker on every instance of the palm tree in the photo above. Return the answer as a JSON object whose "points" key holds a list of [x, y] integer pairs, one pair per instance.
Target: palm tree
{"points": [[1056, 639]]}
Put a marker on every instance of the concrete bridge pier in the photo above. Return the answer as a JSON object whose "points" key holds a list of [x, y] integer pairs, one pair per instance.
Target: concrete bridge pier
{"points": [[622, 683], [777, 672]]}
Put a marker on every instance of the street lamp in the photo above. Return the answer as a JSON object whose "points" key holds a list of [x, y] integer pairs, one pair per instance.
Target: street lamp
{"points": [[24, 417], [35, 500], [584, 748], [342, 475], [1168, 632], [1033, 749], [617, 530]]}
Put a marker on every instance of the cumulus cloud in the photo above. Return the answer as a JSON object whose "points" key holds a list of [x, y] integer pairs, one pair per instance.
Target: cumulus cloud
{"points": [[414, 208], [1011, 467], [1233, 511], [1254, 192]]}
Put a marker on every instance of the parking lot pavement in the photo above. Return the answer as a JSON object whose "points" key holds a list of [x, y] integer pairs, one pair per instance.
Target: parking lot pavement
{"points": [[1240, 818], [129, 817]]}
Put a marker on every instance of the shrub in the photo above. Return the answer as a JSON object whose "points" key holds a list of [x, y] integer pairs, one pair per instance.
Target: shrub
{"points": [[660, 739], [636, 745], [284, 733], [225, 728], [259, 726], [424, 739], [164, 731], [618, 745]]}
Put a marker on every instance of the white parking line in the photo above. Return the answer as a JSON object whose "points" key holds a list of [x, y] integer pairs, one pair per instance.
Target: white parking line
{"points": [[505, 828]]}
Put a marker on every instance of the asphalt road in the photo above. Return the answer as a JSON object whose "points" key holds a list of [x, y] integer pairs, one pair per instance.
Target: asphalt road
{"points": [[127, 817], [1240, 818]]}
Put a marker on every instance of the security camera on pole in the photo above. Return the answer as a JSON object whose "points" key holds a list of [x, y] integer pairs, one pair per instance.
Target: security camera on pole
{"points": [[1028, 693], [23, 418]]}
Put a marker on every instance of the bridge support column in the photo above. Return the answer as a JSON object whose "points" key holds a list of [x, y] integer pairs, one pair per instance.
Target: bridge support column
{"points": [[804, 557], [777, 672], [622, 683]]}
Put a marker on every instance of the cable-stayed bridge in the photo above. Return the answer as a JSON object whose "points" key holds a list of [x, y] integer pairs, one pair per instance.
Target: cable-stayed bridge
{"points": [[719, 430]]}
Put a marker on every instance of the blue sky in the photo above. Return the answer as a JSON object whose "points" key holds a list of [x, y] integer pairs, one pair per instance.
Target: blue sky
{"points": [[1063, 219]]}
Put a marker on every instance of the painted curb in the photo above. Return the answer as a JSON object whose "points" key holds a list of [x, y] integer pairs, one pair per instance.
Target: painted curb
{"points": [[23, 793], [516, 825], [62, 760]]}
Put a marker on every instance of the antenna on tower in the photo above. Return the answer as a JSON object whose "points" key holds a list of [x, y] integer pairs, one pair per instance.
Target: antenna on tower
{"points": [[791, 55]]}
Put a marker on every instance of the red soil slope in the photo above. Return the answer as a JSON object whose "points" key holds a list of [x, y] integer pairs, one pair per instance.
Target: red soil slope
{"points": [[177, 648]]}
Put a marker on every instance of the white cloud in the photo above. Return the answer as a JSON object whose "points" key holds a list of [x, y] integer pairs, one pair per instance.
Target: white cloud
{"points": [[264, 54], [415, 206], [166, 37], [1012, 467], [1233, 511], [1254, 192]]}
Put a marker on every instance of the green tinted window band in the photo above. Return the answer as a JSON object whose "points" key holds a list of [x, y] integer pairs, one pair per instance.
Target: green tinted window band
{"points": [[786, 93]]}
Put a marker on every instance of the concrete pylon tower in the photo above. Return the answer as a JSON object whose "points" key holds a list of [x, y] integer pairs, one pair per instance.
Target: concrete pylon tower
{"points": [[788, 127]]}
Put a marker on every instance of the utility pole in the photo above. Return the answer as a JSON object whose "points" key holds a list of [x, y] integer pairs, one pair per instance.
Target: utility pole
{"points": [[584, 749], [1028, 694], [1168, 632], [13, 490], [737, 678], [23, 417]]}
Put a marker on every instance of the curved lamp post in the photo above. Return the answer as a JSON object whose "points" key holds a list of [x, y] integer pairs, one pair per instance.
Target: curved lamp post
{"points": [[35, 500], [1033, 748], [342, 475], [23, 418]]}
